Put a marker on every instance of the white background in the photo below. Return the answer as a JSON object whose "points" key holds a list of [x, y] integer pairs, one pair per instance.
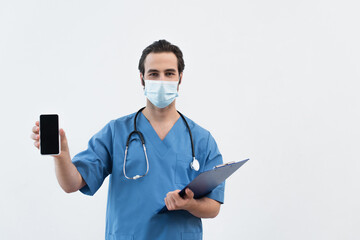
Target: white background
{"points": [[275, 81]]}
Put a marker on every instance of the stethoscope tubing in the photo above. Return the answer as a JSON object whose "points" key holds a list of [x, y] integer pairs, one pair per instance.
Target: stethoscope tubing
{"points": [[194, 164]]}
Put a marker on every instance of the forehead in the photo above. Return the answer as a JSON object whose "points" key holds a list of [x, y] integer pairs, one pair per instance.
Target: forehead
{"points": [[160, 61]]}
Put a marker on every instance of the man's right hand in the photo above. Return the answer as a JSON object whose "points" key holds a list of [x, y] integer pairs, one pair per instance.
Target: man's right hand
{"points": [[64, 153], [68, 176], [35, 135]]}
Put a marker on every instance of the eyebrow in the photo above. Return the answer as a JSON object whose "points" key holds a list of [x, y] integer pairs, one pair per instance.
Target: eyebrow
{"points": [[167, 70]]}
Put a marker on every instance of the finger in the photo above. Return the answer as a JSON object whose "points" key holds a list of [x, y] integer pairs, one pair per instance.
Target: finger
{"points": [[174, 201], [167, 203], [189, 193], [35, 129], [63, 140], [171, 201], [37, 123], [34, 136], [171, 205], [37, 144]]}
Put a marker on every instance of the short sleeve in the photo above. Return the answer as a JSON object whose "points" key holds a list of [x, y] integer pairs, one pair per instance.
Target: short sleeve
{"points": [[95, 163], [213, 159]]}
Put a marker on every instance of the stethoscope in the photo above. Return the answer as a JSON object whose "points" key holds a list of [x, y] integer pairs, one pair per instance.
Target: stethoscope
{"points": [[195, 165]]}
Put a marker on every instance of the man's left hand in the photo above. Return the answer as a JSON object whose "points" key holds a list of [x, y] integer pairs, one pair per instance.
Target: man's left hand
{"points": [[173, 200]]}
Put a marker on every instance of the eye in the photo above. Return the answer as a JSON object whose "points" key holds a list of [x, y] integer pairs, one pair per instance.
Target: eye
{"points": [[170, 74], [153, 74]]}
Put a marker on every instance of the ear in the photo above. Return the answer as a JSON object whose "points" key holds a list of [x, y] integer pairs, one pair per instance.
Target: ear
{"points": [[142, 79], [180, 78]]}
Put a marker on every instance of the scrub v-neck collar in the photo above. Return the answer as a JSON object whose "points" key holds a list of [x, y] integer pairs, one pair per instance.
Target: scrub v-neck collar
{"points": [[162, 146]]}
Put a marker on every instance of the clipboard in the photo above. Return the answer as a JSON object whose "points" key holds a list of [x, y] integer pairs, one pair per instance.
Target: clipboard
{"points": [[206, 181]]}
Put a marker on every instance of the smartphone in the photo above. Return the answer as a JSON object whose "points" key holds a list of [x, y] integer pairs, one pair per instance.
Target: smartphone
{"points": [[49, 134]]}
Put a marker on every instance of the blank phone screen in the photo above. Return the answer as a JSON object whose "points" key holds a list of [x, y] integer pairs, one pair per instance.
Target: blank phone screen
{"points": [[49, 134]]}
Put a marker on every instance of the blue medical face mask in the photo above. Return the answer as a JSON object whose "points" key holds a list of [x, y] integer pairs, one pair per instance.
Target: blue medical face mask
{"points": [[161, 93]]}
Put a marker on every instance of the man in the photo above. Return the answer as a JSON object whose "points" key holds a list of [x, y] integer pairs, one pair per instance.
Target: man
{"points": [[145, 178]]}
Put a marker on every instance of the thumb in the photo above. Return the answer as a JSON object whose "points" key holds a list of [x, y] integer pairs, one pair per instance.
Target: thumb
{"points": [[63, 140], [189, 193]]}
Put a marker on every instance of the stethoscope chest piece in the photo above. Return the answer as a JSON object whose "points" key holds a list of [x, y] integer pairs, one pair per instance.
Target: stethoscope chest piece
{"points": [[195, 165]]}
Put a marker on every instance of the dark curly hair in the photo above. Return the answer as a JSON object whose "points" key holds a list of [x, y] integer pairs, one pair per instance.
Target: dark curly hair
{"points": [[158, 47]]}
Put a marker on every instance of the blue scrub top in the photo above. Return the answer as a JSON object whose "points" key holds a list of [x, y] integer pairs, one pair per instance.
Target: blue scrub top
{"points": [[132, 205]]}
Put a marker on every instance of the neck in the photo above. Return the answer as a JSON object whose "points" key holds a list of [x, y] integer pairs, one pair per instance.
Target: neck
{"points": [[155, 114]]}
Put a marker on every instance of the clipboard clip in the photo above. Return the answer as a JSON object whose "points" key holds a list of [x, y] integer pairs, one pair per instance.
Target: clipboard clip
{"points": [[222, 165]]}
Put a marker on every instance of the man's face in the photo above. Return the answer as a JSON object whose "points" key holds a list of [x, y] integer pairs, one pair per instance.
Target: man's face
{"points": [[161, 66]]}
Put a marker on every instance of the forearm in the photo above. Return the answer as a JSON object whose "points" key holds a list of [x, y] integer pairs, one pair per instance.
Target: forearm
{"points": [[204, 208], [67, 175]]}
